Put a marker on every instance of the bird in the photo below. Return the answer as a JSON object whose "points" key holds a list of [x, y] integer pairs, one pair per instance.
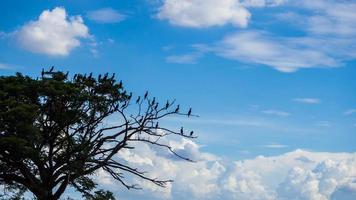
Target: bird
{"points": [[52, 68], [105, 76], [99, 77], [177, 109], [113, 76], [167, 104], [191, 133], [157, 125], [146, 94], [154, 100], [138, 99], [120, 84], [189, 112], [156, 106], [181, 130]]}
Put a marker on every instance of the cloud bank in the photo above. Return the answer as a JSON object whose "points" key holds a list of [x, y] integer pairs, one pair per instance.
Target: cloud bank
{"points": [[297, 175], [53, 33]]}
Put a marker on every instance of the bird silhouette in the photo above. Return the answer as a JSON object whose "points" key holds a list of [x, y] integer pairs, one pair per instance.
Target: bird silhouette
{"points": [[167, 104], [105, 76], [156, 106], [177, 109], [189, 112], [146, 94], [191, 133], [138, 99], [113, 76], [120, 84], [157, 125], [181, 130], [99, 77], [154, 100]]}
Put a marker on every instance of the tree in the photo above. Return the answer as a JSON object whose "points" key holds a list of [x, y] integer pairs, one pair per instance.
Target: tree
{"points": [[54, 135]]}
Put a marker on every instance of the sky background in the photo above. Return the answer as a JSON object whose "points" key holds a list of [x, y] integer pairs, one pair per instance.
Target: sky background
{"points": [[270, 78]]}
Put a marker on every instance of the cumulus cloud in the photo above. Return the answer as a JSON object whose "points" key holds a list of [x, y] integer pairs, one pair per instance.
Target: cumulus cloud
{"points": [[53, 33], [307, 100], [299, 175], [106, 15], [204, 13]]}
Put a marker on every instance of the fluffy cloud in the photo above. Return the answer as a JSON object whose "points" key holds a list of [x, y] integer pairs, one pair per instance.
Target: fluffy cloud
{"points": [[106, 15], [54, 33], [299, 175], [204, 13]]}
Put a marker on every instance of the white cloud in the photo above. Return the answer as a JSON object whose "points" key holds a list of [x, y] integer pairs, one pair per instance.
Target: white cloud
{"points": [[350, 112], [298, 175], [307, 100], [106, 15], [5, 66], [204, 13], [276, 112], [184, 59], [275, 146], [54, 33], [281, 53]]}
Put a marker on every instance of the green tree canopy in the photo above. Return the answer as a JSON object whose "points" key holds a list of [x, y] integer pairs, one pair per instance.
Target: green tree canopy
{"points": [[54, 135]]}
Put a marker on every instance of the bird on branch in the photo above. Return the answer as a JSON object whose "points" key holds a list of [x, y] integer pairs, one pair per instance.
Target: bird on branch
{"points": [[191, 133], [177, 109], [146, 94], [138, 99], [189, 112], [167, 104], [181, 131]]}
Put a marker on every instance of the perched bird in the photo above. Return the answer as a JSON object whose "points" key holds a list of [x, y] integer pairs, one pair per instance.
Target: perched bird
{"points": [[191, 133], [157, 125], [181, 130], [177, 109], [154, 100], [156, 106], [146, 94], [105, 76], [138, 99], [189, 112], [167, 104], [120, 84], [52, 68], [113, 76], [99, 77]]}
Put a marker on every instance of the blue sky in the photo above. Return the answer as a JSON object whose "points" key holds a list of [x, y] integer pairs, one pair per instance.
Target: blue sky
{"points": [[267, 77]]}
